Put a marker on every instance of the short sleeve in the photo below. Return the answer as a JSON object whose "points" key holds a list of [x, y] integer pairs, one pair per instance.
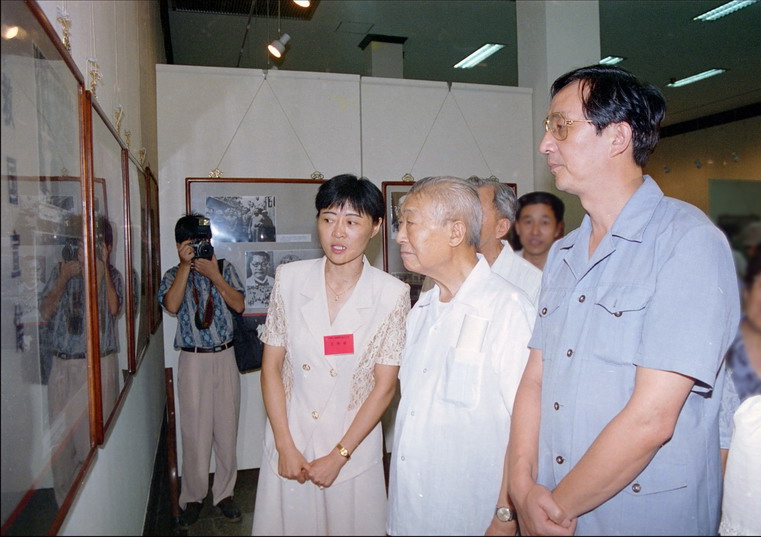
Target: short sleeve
{"points": [[275, 327], [694, 308], [390, 338]]}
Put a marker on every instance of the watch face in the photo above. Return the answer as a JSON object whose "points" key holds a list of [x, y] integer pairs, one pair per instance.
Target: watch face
{"points": [[504, 514]]}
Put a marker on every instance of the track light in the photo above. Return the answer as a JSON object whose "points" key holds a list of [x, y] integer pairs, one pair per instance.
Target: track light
{"points": [[302, 3], [277, 47]]}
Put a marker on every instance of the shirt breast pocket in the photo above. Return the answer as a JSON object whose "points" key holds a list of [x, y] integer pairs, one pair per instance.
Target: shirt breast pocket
{"points": [[619, 320], [460, 385]]}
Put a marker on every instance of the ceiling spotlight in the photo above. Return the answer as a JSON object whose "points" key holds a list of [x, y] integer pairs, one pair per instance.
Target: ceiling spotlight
{"points": [[302, 3], [277, 47]]}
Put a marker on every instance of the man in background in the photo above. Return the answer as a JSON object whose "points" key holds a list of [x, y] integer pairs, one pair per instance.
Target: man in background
{"points": [[498, 206], [538, 224]]}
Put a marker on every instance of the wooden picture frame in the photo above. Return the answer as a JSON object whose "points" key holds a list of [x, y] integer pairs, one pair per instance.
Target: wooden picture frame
{"points": [[42, 201], [154, 251], [257, 223], [393, 195], [139, 257]]}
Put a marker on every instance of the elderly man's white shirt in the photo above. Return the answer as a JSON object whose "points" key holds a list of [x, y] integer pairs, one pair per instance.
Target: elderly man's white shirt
{"points": [[518, 271], [453, 420]]}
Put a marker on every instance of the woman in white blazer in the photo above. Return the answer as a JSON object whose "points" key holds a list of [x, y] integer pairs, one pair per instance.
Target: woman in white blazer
{"points": [[333, 338]]}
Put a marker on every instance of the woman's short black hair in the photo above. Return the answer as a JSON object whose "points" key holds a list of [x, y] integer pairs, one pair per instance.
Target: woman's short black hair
{"points": [[358, 192], [614, 95]]}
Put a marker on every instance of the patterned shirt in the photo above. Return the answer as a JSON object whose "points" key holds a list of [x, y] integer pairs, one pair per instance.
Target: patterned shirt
{"points": [[67, 324], [221, 329]]}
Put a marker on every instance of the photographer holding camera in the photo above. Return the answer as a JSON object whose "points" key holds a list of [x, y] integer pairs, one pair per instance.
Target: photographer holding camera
{"points": [[62, 306], [207, 378]]}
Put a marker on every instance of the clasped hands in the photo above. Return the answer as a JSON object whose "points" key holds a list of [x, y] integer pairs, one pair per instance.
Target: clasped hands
{"points": [[321, 471], [539, 514]]}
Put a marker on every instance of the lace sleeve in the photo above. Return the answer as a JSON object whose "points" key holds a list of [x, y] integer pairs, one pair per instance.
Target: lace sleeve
{"points": [[384, 348], [388, 343], [276, 326]]}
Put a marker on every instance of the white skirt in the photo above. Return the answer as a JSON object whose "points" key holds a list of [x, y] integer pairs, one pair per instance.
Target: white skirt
{"points": [[354, 507]]}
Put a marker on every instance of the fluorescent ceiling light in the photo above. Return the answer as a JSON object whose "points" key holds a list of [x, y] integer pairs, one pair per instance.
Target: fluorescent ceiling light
{"points": [[724, 9], [611, 60], [695, 78], [478, 56]]}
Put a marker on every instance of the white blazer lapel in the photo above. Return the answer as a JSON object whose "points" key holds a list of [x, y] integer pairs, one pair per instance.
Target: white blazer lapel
{"points": [[315, 309]]}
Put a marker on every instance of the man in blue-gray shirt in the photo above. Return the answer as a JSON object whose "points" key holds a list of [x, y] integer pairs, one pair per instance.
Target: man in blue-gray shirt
{"points": [[616, 422], [208, 382]]}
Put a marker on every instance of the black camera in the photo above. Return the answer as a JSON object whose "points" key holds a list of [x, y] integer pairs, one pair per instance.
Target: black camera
{"points": [[70, 250], [201, 242]]}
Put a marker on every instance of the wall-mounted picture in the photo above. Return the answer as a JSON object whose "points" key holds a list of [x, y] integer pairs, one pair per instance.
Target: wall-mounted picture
{"points": [[254, 233], [242, 218]]}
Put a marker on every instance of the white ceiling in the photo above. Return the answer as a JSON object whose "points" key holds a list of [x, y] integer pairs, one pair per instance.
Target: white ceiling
{"points": [[658, 38]]}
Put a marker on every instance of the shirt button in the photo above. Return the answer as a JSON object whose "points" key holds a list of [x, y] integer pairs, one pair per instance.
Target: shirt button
{"points": [[559, 459], [425, 370], [402, 457], [569, 353], [556, 406], [618, 313], [305, 367], [582, 298], [333, 372], [544, 311], [636, 487], [412, 413], [315, 414]]}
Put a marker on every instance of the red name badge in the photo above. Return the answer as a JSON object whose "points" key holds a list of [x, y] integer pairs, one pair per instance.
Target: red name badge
{"points": [[341, 344]]}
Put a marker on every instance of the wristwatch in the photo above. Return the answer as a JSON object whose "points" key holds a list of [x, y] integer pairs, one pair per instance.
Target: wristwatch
{"points": [[343, 451], [504, 514]]}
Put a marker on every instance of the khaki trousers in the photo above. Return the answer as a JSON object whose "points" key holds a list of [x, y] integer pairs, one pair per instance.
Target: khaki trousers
{"points": [[209, 402]]}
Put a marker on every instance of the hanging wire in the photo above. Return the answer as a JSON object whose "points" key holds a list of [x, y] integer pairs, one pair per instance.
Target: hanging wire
{"points": [[454, 98], [408, 176], [289, 123], [429, 132], [245, 35], [240, 122]]}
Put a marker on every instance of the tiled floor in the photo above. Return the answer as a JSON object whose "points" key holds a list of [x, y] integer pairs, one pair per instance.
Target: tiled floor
{"points": [[159, 519]]}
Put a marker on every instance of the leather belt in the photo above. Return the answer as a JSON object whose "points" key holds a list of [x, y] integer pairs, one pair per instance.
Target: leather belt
{"points": [[218, 348], [67, 356]]}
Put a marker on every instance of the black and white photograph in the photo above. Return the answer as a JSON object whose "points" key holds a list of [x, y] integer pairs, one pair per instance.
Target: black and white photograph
{"points": [[242, 218], [260, 277]]}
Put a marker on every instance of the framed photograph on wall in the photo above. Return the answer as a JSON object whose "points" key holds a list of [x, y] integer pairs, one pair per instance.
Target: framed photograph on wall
{"points": [[393, 194], [257, 224], [152, 239]]}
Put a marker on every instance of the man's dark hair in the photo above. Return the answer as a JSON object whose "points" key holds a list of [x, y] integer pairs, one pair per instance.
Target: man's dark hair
{"points": [[360, 193], [532, 198], [187, 227], [613, 95]]}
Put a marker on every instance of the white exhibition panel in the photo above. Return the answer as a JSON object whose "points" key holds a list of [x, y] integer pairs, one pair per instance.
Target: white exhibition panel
{"points": [[425, 128], [284, 124]]}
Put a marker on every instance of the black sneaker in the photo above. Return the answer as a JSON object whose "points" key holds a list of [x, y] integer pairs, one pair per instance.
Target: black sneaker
{"points": [[229, 509], [190, 515]]}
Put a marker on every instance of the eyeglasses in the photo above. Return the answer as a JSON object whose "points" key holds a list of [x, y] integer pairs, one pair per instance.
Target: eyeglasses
{"points": [[558, 125], [257, 264]]}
